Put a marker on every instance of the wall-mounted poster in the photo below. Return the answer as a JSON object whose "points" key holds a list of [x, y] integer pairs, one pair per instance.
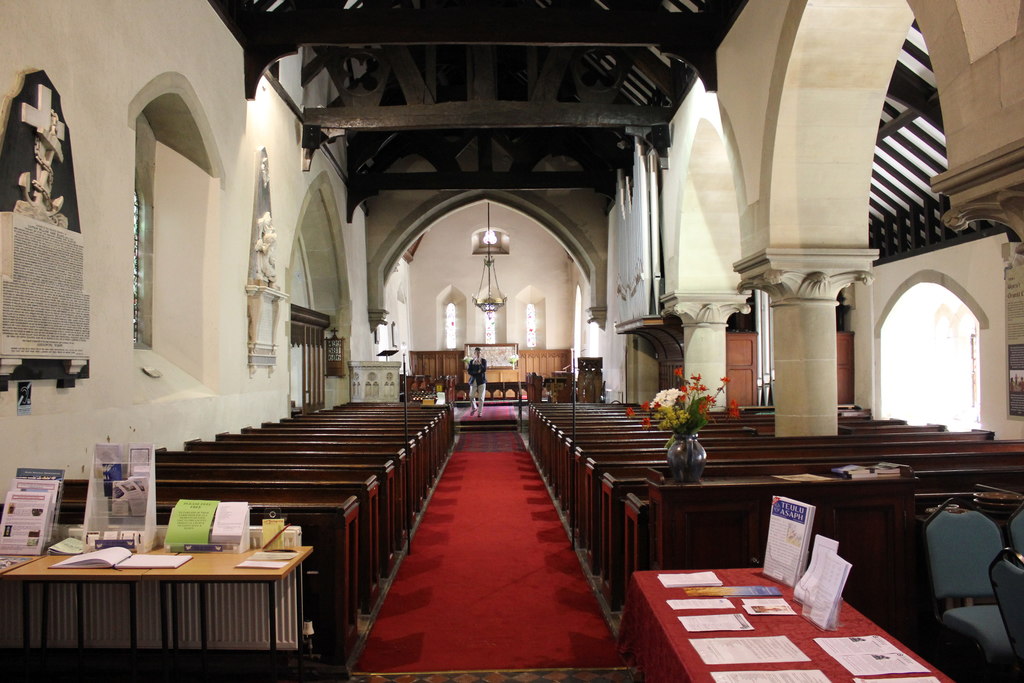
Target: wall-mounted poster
{"points": [[1014, 278]]}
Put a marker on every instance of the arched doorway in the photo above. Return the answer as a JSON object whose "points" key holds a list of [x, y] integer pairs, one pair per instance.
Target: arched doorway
{"points": [[929, 359]]}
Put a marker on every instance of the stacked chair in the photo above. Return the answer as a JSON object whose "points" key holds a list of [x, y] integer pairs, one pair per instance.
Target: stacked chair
{"points": [[960, 545]]}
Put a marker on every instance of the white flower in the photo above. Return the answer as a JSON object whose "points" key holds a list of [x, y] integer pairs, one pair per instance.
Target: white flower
{"points": [[667, 397]]}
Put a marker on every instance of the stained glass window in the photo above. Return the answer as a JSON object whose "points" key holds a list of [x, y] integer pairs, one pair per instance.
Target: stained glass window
{"points": [[489, 326], [449, 326], [136, 280], [531, 326]]}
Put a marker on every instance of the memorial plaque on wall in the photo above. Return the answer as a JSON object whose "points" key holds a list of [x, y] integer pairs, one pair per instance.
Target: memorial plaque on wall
{"points": [[44, 311], [335, 357], [1014, 278]]}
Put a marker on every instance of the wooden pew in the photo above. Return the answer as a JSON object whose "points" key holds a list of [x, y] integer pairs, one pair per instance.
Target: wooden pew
{"points": [[415, 489], [937, 477], [364, 486], [277, 491], [393, 529]]}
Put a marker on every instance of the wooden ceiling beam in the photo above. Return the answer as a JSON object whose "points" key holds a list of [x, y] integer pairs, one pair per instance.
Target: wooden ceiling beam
{"points": [[462, 26], [484, 180], [493, 114]]}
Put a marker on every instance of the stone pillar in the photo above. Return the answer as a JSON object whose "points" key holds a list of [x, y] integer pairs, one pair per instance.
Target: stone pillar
{"points": [[704, 317], [803, 285]]}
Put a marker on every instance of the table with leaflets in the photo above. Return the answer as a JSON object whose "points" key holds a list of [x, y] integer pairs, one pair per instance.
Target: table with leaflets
{"points": [[200, 569], [654, 641]]}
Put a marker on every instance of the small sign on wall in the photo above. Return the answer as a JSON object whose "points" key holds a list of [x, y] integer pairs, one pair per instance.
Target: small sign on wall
{"points": [[24, 398]]}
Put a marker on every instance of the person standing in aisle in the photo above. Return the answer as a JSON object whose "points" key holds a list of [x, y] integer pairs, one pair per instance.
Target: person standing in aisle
{"points": [[477, 382]]}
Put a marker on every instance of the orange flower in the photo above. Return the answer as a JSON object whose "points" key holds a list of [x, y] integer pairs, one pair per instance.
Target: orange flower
{"points": [[724, 380], [646, 405], [734, 408], [630, 412], [645, 423], [678, 372]]}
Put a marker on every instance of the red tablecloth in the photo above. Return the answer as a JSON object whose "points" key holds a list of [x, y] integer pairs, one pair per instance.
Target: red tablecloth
{"points": [[652, 639]]}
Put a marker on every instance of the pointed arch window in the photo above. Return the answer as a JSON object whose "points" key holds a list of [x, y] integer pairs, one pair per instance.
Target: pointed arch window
{"points": [[450, 326], [531, 326]]}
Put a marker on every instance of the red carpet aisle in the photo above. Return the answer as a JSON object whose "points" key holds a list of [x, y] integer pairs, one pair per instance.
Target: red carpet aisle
{"points": [[499, 412], [491, 582]]}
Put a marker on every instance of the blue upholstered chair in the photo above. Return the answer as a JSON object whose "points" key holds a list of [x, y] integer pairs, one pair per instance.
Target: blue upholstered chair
{"points": [[1015, 530], [1007, 574], [960, 545]]}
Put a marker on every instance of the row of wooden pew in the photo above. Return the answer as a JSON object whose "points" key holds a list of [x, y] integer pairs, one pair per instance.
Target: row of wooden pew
{"points": [[352, 477], [610, 479]]}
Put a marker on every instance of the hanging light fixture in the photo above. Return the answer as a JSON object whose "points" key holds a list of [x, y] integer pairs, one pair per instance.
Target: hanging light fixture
{"points": [[489, 300]]}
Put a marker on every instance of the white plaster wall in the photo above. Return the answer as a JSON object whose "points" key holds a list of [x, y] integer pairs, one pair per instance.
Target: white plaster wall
{"points": [[978, 268], [99, 56], [444, 258]]}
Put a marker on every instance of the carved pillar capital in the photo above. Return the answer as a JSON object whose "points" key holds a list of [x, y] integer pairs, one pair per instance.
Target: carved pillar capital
{"points": [[1005, 206], [990, 186], [704, 308], [598, 314], [377, 317], [792, 276]]}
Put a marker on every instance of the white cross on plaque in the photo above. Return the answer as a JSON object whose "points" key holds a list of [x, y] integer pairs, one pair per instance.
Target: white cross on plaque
{"points": [[40, 117]]}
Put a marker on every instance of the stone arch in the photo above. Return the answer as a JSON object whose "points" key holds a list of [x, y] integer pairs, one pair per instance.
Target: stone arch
{"points": [[318, 242], [589, 257], [938, 278], [179, 120], [709, 217], [831, 74]]}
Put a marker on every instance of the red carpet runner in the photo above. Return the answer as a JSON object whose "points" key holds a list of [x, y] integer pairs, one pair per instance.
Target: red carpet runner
{"points": [[491, 582]]}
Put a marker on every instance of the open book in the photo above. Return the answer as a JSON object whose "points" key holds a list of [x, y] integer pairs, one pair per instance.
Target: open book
{"points": [[121, 558]]}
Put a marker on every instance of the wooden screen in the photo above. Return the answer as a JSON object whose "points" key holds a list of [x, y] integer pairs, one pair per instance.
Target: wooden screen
{"points": [[308, 329]]}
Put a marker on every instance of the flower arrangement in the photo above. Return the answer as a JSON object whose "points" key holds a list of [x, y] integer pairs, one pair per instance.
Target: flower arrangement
{"points": [[684, 410], [467, 359], [513, 360]]}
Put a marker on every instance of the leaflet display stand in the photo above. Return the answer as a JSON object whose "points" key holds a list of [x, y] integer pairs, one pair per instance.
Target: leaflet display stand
{"points": [[120, 506]]}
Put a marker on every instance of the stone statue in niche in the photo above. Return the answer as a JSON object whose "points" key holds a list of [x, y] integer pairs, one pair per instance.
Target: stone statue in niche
{"points": [[265, 262], [262, 265], [264, 298], [37, 200]]}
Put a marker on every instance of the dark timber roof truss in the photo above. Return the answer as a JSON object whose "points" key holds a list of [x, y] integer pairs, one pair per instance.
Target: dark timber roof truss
{"points": [[492, 94], [546, 94]]}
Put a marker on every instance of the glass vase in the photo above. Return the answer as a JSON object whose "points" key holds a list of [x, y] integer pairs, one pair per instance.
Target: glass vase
{"points": [[686, 458]]}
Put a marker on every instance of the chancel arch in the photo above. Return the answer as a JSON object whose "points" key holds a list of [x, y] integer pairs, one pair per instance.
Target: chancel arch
{"points": [[576, 221], [445, 269]]}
